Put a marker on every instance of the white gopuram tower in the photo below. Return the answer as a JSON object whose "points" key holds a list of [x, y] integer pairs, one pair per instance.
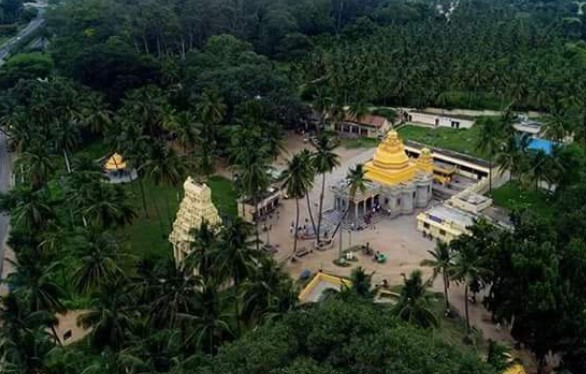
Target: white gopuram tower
{"points": [[195, 207]]}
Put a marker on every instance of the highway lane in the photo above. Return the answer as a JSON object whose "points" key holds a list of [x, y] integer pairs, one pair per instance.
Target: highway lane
{"points": [[5, 184], [33, 25], [5, 157]]}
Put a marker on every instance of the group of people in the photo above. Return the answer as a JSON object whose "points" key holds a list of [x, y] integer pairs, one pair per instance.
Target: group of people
{"points": [[301, 230]]}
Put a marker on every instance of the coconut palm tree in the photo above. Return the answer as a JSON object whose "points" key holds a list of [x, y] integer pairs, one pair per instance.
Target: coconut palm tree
{"points": [[211, 108], [322, 103], [538, 167], [204, 249], [148, 107], [297, 180], [32, 280], [106, 206], [28, 207], [19, 325], [30, 354], [209, 325], [65, 137], [513, 154], [95, 114], [558, 124], [110, 317], [489, 141], [236, 258], [268, 293], [441, 263], [324, 161], [37, 165], [251, 160], [361, 283], [467, 268], [170, 294], [185, 130], [356, 181], [164, 166], [99, 257], [414, 302]]}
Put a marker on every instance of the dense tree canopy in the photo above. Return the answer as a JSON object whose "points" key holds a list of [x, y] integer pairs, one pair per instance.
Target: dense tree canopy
{"points": [[341, 337], [174, 85]]}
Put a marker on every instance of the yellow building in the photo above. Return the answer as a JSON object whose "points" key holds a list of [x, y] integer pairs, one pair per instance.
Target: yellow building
{"points": [[515, 369], [397, 184], [115, 163], [443, 173], [444, 223], [320, 282], [195, 208]]}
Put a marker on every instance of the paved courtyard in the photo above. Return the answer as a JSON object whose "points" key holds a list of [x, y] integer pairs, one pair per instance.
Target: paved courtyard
{"points": [[397, 238]]}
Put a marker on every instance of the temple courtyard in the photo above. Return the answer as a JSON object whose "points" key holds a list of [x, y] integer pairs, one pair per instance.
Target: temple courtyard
{"points": [[397, 238]]}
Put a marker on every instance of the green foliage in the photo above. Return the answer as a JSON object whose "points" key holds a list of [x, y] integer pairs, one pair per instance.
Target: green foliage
{"points": [[390, 114], [25, 66], [11, 11], [342, 337], [463, 140], [514, 197]]}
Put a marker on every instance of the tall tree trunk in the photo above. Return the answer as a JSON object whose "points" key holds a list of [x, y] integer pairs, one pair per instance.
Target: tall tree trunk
{"points": [[236, 306], [161, 224], [146, 213], [321, 201], [296, 227], [256, 222], [490, 174], [311, 215], [446, 291], [341, 219], [466, 310], [67, 165]]}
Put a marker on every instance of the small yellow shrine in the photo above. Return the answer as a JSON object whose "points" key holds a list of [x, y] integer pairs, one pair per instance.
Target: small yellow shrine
{"points": [[195, 208], [397, 184], [115, 163]]}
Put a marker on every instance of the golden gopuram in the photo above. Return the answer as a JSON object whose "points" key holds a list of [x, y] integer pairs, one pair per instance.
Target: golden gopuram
{"points": [[396, 184], [195, 208]]}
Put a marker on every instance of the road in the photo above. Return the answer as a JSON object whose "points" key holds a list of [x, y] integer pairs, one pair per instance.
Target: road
{"points": [[33, 26], [5, 183], [5, 157]]}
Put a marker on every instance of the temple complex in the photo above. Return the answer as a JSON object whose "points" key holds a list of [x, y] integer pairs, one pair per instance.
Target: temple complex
{"points": [[195, 208], [396, 184]]}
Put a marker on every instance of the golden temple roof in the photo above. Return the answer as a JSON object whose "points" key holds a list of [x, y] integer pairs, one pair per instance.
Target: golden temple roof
{"points": [[515, 369], [390, 164], [116, 162]]}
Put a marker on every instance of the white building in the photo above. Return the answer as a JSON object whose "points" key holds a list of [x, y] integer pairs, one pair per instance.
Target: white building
{"points": [[525, 126], [439, 120]]}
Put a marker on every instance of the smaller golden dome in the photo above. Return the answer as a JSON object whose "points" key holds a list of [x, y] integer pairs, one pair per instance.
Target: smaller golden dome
{"points": [[116, 162], [425, 161], [390, 154]]}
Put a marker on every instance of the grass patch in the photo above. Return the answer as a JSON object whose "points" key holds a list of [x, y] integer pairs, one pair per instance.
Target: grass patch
{"points": [[458, 140], [513, 195], [355, 143], [224, 195], [450, 329], [94, 150], [148, 234]]}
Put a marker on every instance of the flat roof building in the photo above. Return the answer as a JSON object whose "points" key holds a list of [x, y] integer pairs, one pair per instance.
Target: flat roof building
{"points": [[439, 120], [444, 223]]}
